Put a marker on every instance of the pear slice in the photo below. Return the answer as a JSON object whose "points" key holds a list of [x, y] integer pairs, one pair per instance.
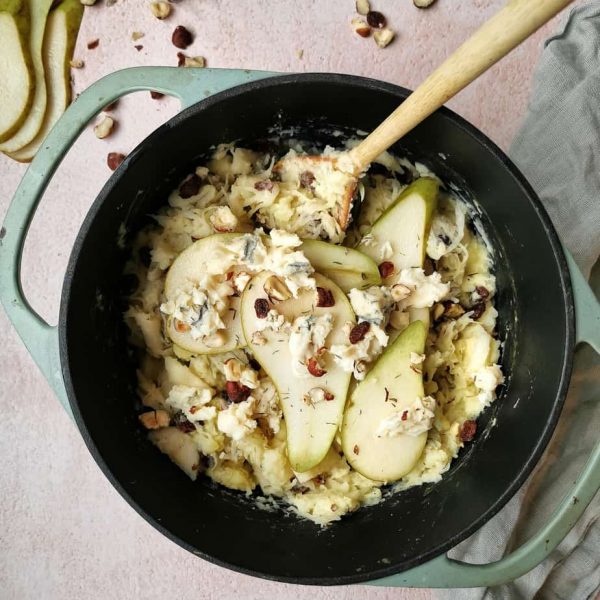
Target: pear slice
{"points": [[38, 11], [310, 427], [385, 458], [183, 272], [59, 42], [405, 225], [16, 70], [345, 266]]}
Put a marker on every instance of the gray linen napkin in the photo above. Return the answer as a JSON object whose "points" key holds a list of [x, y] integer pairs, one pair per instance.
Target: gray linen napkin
{"points": [[558, 150]]}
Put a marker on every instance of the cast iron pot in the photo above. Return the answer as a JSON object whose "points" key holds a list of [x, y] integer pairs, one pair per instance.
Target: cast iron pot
{"points": [[536, 323]]}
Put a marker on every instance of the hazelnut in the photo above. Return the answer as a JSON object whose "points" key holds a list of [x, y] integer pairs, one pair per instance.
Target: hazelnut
{"points": [[137, 35], [376, 20], [384, 37], [423, 3], [258, 339], [453, 310], [400, 292], [114, 159], [156, 95], [276, 289], [154, 419], [161, 10], [232, 369], [104, 128], [363, 7], [361, 28], [93, 44], [76, 63], [438, 311], [182, 38], [194, 61]]}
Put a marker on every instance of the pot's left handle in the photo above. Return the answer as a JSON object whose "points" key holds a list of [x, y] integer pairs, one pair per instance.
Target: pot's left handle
{"points": [[189, 85]]}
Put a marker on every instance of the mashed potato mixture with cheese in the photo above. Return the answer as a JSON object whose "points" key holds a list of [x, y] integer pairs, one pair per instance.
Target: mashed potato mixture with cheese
{"points": [[210, 406]]}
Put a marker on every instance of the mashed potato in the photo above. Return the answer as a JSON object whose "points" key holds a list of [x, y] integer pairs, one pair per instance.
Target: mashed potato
{"points": [[219, 414]]}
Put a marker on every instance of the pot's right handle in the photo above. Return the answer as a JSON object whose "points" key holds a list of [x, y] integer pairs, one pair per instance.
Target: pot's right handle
{"points": [[444, 572]]}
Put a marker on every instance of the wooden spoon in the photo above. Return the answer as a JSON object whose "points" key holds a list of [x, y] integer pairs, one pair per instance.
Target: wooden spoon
{"points": [[493, 40]]}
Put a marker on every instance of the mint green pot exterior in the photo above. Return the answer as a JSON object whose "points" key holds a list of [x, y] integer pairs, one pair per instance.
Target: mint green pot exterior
{"points": [[191, 86]]}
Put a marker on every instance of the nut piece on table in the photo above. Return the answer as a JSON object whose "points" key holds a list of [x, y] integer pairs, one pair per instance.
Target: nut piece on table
{"points": [[161, 10], [361, 27], [88, 2], [376, 20], [194, 61], [114, 159], [363, 7], [76, 63], [104, 128], [423, 3], [182, 37], [384, 37], [137, 35]]}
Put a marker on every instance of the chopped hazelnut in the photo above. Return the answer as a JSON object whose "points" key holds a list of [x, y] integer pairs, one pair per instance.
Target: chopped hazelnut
{"points": [[182, 38], [376, 20], [161, 10], [104, 128], [423, 3], [400, 292], [93, 44], [363, 7], [361, 27], [258, 339], [195, 61], [137, 35], [384, 37], [76, 63], [114, 159], [276, 289], [154, 419], [453, 310]]}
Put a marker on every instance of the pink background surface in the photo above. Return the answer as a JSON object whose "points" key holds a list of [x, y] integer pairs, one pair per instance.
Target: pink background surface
{"points": [[64, 531]]}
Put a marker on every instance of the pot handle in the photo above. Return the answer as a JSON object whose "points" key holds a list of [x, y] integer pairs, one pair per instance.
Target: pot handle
{"points": [[445, 572], [189, 85]]}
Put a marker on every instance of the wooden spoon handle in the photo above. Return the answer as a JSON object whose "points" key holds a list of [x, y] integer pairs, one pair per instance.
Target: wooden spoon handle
{"points": [[494, 39]]}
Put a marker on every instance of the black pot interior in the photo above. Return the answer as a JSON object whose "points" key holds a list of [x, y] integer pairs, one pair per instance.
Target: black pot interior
{"points": [[535, 320]]}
